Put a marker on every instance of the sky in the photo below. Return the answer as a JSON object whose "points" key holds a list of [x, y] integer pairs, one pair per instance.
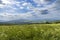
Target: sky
{"points": [[29, 9]]}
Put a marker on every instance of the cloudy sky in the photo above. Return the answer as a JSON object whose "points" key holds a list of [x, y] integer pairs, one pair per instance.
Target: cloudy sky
{"points": [[29, 9]]}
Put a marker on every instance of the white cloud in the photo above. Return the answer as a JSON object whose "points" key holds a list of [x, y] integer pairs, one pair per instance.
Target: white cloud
{"points": [[11, 13], [24, 4], [9, 16], [8, 2]]}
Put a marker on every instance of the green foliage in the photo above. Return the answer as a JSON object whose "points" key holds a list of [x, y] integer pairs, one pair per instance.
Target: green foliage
{"points": [[30, 32]]}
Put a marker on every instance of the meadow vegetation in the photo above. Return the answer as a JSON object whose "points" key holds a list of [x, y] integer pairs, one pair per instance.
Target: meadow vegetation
{"points": [[30, 32]]}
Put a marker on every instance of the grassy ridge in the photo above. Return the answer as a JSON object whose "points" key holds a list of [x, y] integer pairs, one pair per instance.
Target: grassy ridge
{"points": [[30, 32]]}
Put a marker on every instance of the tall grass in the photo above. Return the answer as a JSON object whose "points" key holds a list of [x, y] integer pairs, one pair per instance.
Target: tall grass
{"points": [[30, 32]]}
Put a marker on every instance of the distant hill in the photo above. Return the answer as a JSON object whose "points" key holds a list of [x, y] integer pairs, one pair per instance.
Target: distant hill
{"points": [[19, 21], [25, 21]]}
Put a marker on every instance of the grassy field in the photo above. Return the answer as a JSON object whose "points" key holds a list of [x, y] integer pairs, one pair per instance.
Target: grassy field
{"points": [[30, 32]]}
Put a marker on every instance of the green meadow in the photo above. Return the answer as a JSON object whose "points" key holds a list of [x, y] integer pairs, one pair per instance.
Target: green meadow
{"points": [[30, 32]]}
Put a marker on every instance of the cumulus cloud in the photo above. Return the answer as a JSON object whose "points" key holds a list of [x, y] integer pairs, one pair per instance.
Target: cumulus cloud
{"points": [[9, 16], [13, 10]]}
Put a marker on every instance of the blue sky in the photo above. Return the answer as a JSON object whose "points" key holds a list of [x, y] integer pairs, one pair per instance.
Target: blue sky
{"points": [[29, 9]]}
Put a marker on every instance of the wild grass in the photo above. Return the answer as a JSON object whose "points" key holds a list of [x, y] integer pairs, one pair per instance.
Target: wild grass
{"points": [[30, 32]]}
